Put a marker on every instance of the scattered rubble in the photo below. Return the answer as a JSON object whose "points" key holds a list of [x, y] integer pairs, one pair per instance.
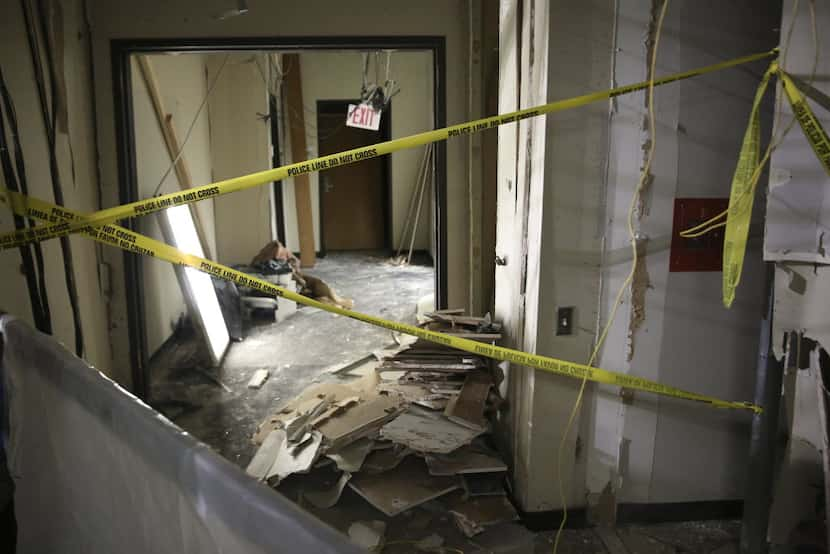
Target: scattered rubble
{"points": [[411, 430]]}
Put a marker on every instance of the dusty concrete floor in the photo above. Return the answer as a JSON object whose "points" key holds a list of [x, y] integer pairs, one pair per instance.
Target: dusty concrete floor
{"points": [[299, 351]]}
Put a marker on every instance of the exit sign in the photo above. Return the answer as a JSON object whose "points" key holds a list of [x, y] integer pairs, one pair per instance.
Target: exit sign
{"points": [[363, 116]]}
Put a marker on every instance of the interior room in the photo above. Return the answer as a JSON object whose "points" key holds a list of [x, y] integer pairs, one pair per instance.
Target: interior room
{"points": [[454, 276], [237, 113]]}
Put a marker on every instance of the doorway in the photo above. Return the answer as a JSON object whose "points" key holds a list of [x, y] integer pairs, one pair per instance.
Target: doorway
{"points": [[354, 199], [129, 190]]}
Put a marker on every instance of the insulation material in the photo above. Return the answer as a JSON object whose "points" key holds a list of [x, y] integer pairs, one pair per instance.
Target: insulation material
{"points": [[96, 470]]}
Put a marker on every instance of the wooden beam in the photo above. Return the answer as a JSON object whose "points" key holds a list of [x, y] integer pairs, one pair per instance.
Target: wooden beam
{"points": [[171, 140], [302, 188]]}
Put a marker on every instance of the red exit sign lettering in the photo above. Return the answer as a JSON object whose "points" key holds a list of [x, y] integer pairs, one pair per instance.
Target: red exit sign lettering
{"points": [[363, 116]]}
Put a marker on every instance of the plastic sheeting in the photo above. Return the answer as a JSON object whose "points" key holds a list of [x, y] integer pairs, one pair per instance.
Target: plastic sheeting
{"points": [[97, 470]]}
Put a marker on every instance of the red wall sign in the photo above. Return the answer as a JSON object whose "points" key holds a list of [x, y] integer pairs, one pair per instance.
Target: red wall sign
{"points": [[704, 253]]}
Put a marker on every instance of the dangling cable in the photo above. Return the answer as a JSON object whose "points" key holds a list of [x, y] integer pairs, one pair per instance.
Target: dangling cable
{"points": [[48, 124], [20, 165], [34, 280], [629, 278]]}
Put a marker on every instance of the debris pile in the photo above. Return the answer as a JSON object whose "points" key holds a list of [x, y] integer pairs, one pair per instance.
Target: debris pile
{"points": [[414, 427]]}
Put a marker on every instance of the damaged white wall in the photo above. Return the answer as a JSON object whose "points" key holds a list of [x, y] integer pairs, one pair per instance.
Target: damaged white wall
{"points": [[240, 143], [199, 18], [668, 450], [182, 86], [338, 76], [797, 221], [77, 167], [656, 449], [798, 209]]}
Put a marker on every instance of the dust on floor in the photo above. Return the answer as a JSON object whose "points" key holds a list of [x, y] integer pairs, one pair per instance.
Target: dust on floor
{"points": [[297, 353]]}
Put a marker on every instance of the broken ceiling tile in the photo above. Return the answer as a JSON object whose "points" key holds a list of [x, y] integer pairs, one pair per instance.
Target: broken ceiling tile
{"points": [[266, 454], [467, 459], [258, 378], [359, 421], [425, 431], [297, 427], [334, 409], [295, 458], [350, 458], [402, 488]]}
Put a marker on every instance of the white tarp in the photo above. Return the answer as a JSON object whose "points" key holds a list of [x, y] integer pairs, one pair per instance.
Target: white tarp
{"points": [[97, 470]]}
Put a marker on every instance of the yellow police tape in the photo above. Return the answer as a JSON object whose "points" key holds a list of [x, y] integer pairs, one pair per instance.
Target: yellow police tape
{"points": [[747, 173], [741, 197], [813, 130], [143, 207], [134, 242]]}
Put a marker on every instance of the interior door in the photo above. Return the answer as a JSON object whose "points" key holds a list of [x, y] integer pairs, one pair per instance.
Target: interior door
{"points": [[353, 198]]}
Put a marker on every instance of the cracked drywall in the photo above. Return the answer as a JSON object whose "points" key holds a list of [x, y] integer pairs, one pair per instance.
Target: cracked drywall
{"points": [[648, 178], [640, 283]]}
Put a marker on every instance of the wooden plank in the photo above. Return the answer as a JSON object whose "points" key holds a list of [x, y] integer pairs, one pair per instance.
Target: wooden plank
{"points": [[468, 408], [171, 140], [302, 188]]}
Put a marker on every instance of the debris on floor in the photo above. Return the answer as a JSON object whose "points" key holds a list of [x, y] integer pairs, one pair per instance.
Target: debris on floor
{"points": [[413, 432], [258, 378]]}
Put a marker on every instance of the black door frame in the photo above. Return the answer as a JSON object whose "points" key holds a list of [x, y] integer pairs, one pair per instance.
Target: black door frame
{"points": [[385, 133], [122, 49]]}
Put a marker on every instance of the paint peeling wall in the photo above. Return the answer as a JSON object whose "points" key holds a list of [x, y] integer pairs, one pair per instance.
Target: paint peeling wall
{"points": [[677, 331], [631, 448]]}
